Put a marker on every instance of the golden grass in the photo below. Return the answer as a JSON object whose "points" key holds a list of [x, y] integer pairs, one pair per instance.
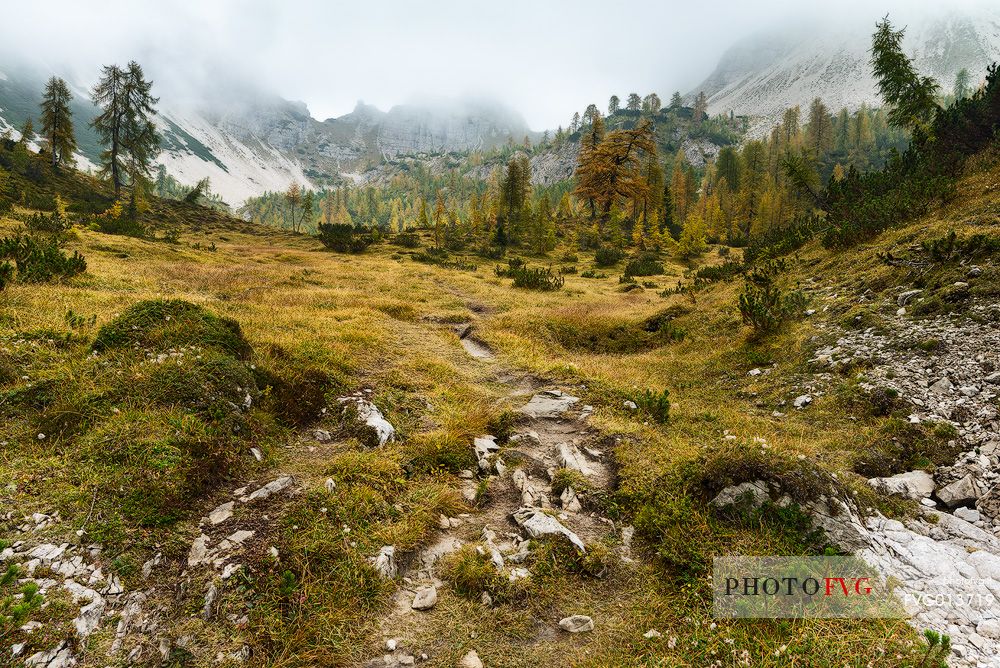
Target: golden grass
{"points": [[385, 320]]}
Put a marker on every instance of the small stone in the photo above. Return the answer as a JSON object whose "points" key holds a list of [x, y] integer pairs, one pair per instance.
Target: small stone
{"points": [[208, 609], [967, 514], [629, 404], [322, 435], [652, 633], [391, 644], [425, 599], [802, 401], [221, 513], [577, 624], [330, 485], [471, 660], [754, 372]]}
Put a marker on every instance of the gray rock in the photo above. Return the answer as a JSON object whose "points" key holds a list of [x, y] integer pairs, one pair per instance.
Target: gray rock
{"points": [[425, 599], [540, 525], [385, 562], [911, 485], [221, 513], [942, 386], [550, 404], [963, 491], [989, 503], [757, 490], [471, 660], [802, 401], [967, 514], [577, 624], [58, 657], [904, 297], [271, 488], [371, 416], [211, 595]]}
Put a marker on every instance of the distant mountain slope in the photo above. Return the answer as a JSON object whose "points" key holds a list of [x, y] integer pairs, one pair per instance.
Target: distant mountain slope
{"points": [[248, 142], [764, 75]]}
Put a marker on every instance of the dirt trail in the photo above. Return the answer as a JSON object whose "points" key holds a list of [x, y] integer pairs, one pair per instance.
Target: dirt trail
{"points": [[519, 504]]}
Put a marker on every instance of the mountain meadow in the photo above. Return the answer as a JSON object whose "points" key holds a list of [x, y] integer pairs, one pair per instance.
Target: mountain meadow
{"points": [[419, 395]]}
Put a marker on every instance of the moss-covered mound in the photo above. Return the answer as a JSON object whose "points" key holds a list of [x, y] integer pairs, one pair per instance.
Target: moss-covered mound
{"points": [[162, 324]]}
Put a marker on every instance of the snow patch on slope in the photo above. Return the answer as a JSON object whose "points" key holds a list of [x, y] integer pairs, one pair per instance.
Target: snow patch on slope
{"points": [[237, 169]]}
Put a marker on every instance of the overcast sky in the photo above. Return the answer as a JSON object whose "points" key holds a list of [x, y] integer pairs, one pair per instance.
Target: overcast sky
{"points": [[543, 58]]}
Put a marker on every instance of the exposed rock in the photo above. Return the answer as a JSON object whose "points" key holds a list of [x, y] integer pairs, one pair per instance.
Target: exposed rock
{"points": [[903, 298], [425, 599], [577, 624], [90, 617], [989, 503], [569, 501], [911, 485], [942, 386], [548, 404], [211, 594], [221, 513], [757, 490], [271, 488], [322, 435], [385, 561], [369, 415], [58, 657], [967, 514], [471, 660], [802, 401], [570, 457], [963, 491], [541, 525]]}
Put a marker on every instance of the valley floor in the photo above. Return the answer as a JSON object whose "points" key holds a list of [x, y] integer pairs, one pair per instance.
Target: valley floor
{"points": [[290, 576]]}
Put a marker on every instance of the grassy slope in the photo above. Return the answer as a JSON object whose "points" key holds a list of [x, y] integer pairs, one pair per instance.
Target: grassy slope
{"points": [[377, 316]]}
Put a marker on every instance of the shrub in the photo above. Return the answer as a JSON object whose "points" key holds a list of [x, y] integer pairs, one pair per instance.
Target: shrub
{"points": [[54, 223], [119, 219], [38, 260], [655, 404], [407, 240], [538, 279], [606, 256], [160, 324], [344, 238], [763, 304], [590, 273], [532, 279], [643, 266], [720, 272]]}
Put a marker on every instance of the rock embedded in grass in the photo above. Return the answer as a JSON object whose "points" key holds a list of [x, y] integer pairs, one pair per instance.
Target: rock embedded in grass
{"points": [[425, 598], [577, 624]]}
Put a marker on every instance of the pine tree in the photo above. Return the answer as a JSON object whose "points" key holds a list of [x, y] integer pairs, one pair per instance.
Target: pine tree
{"points": [[590, 113], [57, 121], [676, 102], [308, 202], [912, 97], [613, 105], [651, 103], [575, 123], [440, 215], [692, 242], [27, 132], [700, 108], [962, 89], [819, 132], [293, 197], [125, 124], [634, 102]]}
